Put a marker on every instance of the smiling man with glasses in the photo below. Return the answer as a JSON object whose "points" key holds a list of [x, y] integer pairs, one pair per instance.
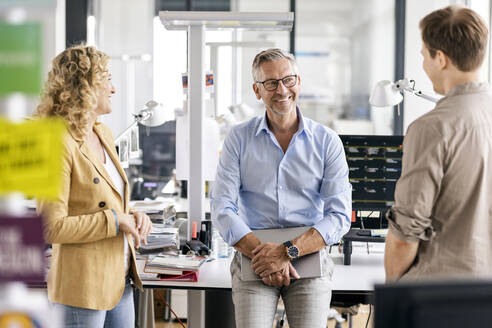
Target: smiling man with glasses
{"points": [[276, 171], [272, 84]]}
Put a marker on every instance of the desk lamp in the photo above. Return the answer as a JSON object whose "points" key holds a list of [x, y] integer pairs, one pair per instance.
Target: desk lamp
{"points": [[152, 115], [387, 93]]}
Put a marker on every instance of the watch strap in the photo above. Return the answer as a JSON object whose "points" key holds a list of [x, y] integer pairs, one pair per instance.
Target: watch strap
{"points": [[288, 243]]}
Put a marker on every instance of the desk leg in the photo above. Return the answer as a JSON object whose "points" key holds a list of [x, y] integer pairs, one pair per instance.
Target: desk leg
{"points": [[146, 308], [347, 251], [196, 309]]}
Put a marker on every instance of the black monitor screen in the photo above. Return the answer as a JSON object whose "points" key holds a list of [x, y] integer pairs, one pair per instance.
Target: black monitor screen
{"points": [[159, 151], [434, 304], [374, 167]]}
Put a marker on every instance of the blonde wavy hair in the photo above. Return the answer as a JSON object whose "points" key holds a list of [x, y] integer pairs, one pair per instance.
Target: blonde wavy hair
{"points": [[71, 89]]}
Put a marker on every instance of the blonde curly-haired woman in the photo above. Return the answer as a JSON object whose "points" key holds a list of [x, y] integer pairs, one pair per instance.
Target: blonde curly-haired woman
{"points": [[92, 234]]}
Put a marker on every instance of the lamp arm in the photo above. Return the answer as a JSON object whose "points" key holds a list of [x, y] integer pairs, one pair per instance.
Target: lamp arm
{"points": [[143, 115], [409, 86], [419, 93]]}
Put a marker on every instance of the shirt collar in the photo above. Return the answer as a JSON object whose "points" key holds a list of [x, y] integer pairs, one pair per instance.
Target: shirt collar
{"points": [[469, 87], [263, 126]]}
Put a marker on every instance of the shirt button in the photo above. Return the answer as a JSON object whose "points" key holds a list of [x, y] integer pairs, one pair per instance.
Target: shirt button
{"points": [[96, 180], [102, 204], [280, 187]]}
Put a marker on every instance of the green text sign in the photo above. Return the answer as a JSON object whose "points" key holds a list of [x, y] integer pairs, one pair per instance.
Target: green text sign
{"points": [[20, 58]]}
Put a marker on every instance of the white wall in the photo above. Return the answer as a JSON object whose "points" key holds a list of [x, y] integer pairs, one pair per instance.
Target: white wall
{"points": [[373, 58], [125, 28], [415, 11]]}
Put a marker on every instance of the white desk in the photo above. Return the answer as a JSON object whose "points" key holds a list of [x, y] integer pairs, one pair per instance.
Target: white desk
{"points": [[365, 270], [361, 275], [213, 275], [351, 284]]}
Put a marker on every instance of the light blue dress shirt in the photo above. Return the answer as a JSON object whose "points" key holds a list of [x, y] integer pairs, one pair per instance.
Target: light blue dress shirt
{"points": [[259, 187]]}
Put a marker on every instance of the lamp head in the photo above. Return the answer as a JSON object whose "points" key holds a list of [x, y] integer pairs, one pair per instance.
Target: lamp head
{"points": [[153, 114], [385, 94]]}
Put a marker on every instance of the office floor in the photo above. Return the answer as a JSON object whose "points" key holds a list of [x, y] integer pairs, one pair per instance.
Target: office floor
{"points": [[358, 321]]}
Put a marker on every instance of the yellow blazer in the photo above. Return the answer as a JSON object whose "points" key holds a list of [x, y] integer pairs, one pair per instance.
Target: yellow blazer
{"points": [[87, 266]]}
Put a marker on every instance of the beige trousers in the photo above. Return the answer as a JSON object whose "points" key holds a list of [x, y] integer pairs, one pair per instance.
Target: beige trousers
{"points": [[307, 301]]}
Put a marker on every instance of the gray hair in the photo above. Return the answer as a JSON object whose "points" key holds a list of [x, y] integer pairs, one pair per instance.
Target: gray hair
{"points": [[269, 55]]}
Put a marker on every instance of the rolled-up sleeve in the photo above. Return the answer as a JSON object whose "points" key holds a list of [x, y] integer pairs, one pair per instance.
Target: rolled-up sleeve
{"points": [[410, 219], [336, 193], [225, 193]]}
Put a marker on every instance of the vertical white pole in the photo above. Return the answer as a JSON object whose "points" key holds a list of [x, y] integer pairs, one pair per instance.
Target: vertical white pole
{"points": [[130, 89], [214, 67], [196, 96], [196, 183], [236, 61]]}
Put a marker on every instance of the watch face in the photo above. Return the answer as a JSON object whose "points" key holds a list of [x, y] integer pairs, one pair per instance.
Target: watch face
{"points": [[293, 252]]}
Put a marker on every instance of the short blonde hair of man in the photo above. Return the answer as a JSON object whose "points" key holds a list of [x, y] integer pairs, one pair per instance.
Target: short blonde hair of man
{"points": [[71, 89], [269, 55]]}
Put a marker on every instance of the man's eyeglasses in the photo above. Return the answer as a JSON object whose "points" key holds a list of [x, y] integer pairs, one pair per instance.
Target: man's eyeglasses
{"points": [[272, 84]]}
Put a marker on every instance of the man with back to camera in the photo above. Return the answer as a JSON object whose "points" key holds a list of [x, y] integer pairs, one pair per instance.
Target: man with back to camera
{"points": [[440, 223], [281, 170]]}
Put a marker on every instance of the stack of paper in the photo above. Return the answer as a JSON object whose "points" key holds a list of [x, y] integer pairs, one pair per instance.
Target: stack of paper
{"points": [[152, 206], [181, 267], [161, 239]]}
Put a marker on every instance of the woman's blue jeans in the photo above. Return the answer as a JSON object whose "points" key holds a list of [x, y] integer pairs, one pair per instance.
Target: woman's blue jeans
{"points": [[121, 316]]}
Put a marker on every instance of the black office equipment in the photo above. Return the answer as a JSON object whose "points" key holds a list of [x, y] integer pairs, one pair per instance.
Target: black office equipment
{"points": [[374, 168], [159, 151], [206, 233], [145, 189], [197, 247], [434, 304]]}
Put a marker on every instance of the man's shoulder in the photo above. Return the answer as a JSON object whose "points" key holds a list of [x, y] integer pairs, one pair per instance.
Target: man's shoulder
{"points": [[438, 120], [318, 130], [246, 127], [454, 109]]}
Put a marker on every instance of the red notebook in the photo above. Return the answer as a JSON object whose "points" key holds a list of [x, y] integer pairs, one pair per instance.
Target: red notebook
{"points": [[191, 276]]}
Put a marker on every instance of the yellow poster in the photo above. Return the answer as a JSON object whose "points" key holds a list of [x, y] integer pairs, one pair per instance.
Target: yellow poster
{"points": [[30, 157]]}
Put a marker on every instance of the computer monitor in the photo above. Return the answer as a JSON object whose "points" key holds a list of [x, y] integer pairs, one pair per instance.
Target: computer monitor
{"points": [[434, 304], [374, 167], [159, 151]]}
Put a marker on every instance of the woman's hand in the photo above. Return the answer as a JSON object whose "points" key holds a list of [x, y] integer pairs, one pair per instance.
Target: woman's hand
{"points": [[143, 224], [137, 224], [127, 223]]}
